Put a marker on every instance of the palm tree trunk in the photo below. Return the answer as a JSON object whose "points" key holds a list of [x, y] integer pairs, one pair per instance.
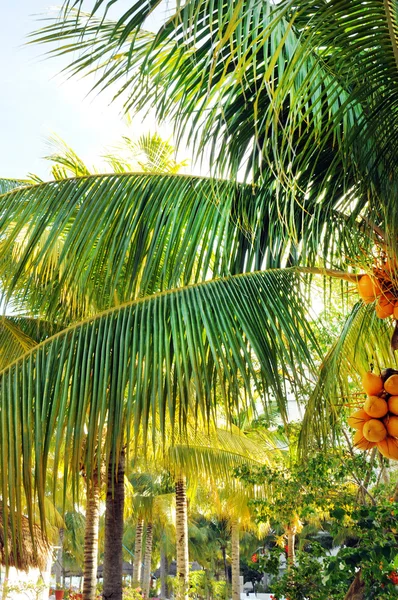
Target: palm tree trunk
{"points": [[182, 540], [357, 589], [146, 578], [291, 537], [164, 569], [91, 539], [138, 553], [235, 561], [59, 571], [113, 555], [224, 559]]}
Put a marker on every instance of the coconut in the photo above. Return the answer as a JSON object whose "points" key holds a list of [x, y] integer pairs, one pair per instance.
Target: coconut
{"points": [[357, 419], [389, 447], [375, 407], [391, 385], [361, 442], [391, 424], [374, 430], [393, 405], [368, 289], [385, 305], [372, 384]]}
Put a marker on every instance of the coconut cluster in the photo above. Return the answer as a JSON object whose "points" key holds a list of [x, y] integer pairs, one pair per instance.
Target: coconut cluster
{"points": [[371, 288], [377, 422]]}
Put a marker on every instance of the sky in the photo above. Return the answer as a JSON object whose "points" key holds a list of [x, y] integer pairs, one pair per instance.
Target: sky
{"points": [[37, 102]]}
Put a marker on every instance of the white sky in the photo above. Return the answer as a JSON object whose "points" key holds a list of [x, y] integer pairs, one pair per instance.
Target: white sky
{"points": [[36, 102]]}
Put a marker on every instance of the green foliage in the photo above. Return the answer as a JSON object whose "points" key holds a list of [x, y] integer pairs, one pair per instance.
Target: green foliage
{"points": [[29, 588], [250, 570], [202, 586], [199, 585], [374, 551], [130, 593], [303, 491], [372, 548], [305, 579], [220, 590]]}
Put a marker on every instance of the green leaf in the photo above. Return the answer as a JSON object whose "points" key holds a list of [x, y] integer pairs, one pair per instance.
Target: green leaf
{"points": [[110, 370]]}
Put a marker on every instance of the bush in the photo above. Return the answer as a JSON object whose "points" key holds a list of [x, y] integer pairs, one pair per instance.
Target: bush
{"points": [[130, 593]]}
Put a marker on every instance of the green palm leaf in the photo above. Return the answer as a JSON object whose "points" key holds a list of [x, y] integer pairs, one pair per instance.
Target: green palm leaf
{"points": [[9, 184], [93, 242], [272, 86], [158, 359]]}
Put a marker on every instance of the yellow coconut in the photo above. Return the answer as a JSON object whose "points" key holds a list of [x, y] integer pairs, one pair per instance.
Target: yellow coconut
{"points": [[374, 431], [391, 424], [372, 384], [361, 442], [391, 385], [385, 305], [389, 447], [393, 405], [375, 407], [368, 289], [357, 419]]}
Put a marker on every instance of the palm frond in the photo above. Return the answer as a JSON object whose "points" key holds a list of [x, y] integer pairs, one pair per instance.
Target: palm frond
{"points": [[153, 154], [364, 344], [270, 85], [19, 334], [216, 453], [161, 358], [66, 163], [10, 184], [82, 245]]}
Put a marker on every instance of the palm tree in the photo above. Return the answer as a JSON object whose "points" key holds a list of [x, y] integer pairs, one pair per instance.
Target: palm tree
{"points": [[312, 122], [91, 537], [250, 313], [138, 552], [296, 99], [205, 457], [273, 86], [212, 457]]}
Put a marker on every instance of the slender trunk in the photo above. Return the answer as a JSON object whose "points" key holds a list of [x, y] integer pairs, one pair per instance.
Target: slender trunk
{"points": [[357, 589], [235, 561], [138, 553], [291, 538], [91, 539], [224, 559], [146, 577], [164, 569], [59, 564], [182, 540], [113, 555]]}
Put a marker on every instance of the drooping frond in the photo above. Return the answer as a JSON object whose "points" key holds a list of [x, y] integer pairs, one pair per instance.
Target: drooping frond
{"points": [[215, 452], [162, 358], [264, 88], [216, 463], [363, 345], [249, 70]]}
